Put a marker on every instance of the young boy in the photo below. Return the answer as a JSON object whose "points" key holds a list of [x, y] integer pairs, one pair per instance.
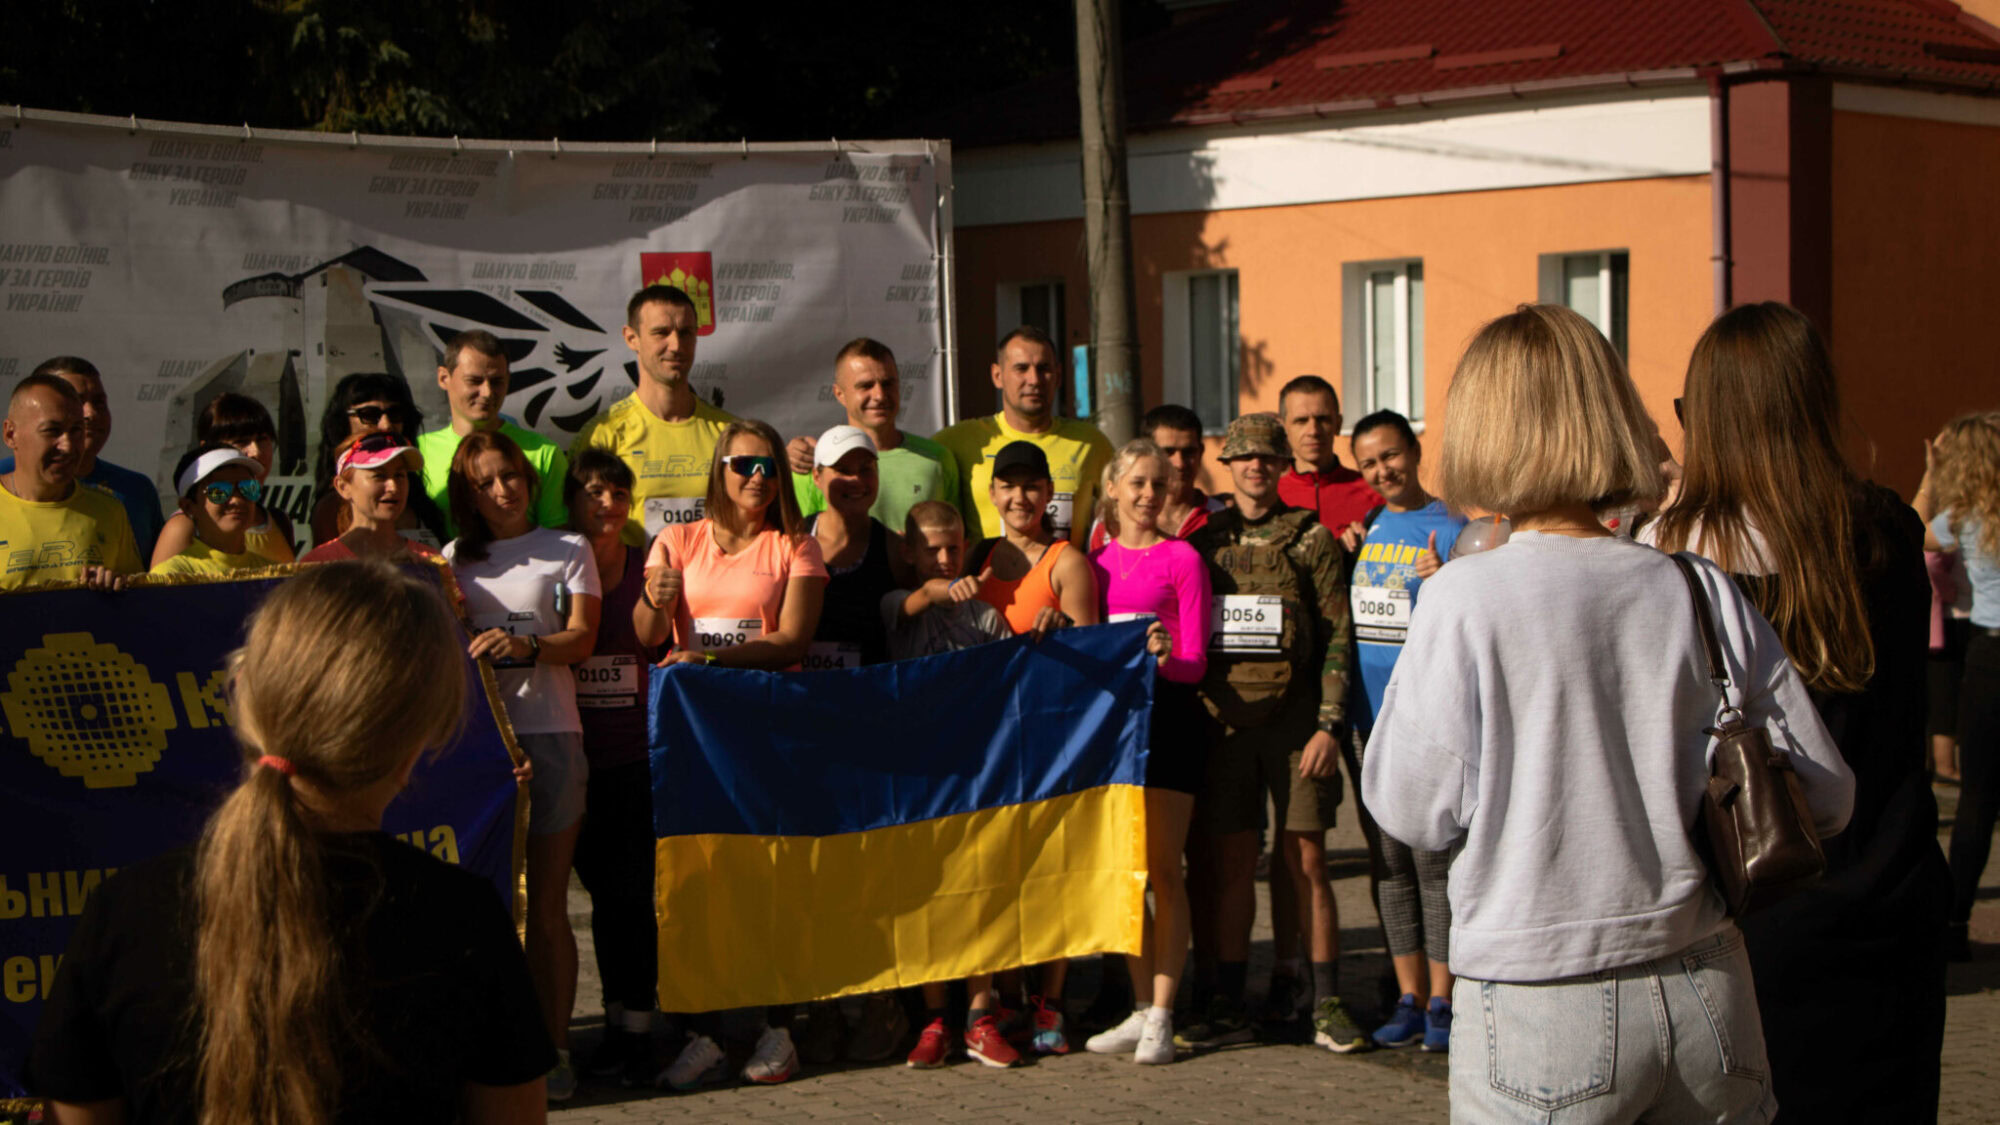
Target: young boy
{"points": [[219, 491], [944, 614]]}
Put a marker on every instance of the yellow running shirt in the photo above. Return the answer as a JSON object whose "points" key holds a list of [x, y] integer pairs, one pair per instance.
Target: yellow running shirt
{"points": [[669, 460], [1077, 454], [53, 542], [200, 558]]}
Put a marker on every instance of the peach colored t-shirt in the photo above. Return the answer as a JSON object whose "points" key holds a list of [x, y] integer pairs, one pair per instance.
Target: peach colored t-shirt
{"points": [[729, 599]]}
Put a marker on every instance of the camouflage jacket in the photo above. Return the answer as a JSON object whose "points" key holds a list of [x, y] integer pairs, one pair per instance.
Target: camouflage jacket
{"points": [[1319, 554]]}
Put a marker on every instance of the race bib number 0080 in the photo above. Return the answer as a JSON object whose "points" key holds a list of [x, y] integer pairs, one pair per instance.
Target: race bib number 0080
{"points": [[1247, 622], [722, 632], [668, 511], [1380, 613]]}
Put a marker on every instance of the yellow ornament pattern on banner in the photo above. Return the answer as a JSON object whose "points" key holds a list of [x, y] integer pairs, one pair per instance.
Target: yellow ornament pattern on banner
{"points": [[88, 710], [697, 290]]}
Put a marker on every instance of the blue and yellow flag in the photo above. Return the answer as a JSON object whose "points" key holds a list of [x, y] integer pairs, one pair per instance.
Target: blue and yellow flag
{"points": [[116, 743], [829, 833]]}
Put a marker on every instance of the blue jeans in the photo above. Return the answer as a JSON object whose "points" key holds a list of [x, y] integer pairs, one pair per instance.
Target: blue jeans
{"points": [[1674, 1039]]}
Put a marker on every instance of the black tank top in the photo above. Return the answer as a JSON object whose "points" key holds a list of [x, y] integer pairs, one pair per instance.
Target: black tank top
{"points": [[852, 611]]}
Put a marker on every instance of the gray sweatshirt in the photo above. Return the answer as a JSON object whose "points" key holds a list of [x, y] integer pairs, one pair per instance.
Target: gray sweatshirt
{"points": [[1548, 710]]}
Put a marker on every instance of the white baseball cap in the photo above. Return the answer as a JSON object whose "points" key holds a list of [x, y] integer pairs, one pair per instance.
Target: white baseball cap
{"points": [[208, 464], [838, 442]]}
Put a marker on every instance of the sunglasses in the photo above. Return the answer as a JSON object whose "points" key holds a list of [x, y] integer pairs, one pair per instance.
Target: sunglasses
{"points": [[219, 493], [373, 415], [748, 465]]}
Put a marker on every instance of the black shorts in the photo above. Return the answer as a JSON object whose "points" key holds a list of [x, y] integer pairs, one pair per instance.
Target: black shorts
{"points": [[1946, 669], [1177, 747]]}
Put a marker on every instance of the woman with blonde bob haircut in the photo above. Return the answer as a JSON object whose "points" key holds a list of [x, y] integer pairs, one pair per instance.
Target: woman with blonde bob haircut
{"points": [[1837, 566], [299, 964], [1548, 718]]}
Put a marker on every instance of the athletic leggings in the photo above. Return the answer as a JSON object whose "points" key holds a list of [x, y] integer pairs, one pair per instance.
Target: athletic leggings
{"points": [[614, 858], [1415, 913], [1979, 768]]}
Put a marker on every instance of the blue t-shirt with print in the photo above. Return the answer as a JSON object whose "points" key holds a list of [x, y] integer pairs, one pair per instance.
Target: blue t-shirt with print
{"points": [[1383, 592], [1981, 568]]}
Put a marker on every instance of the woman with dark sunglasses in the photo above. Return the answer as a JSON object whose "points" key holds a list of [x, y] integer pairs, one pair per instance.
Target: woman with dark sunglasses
{"points": [[219, 491], [372, 480], [741, 588], [369, 402]]}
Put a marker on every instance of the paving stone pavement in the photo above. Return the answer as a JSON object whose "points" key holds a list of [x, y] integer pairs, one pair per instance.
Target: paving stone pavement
{"points": [[1262, 1081]]}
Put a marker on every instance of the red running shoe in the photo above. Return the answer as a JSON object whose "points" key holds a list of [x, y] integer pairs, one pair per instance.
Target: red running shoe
{"points": [[1050, 1036], [933, 1047], [984, 1042]]}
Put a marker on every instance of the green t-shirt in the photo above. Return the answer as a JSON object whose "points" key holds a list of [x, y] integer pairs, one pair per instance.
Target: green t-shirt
{"points": [[913, 472], [547, 458]]}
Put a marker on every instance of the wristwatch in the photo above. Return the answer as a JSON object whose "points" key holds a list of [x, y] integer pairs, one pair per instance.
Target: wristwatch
{"points": [[1335, 727], [534, 648]]}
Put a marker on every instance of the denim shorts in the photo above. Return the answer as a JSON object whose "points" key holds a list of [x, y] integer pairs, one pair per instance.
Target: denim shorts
{"points": [[1677, 1038]]}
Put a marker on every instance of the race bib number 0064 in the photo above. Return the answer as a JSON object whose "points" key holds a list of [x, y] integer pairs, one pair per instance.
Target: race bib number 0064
{"points": [[1247, 622]]}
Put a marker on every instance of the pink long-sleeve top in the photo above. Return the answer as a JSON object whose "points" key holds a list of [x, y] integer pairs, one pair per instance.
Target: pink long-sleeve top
{"points": [[1166, 580]]}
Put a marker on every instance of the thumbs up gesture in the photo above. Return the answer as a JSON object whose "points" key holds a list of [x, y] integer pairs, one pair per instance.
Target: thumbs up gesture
{"points": [[1428, 561], [967, 588]]}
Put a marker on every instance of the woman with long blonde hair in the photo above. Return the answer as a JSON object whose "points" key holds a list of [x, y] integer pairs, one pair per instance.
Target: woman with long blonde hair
{"points": [[1548, 717], [1959, 500], [1836, 565], [299, 965]]}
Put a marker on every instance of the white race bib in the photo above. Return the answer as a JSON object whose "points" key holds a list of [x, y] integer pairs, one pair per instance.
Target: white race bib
{"points": [[608, 681], [1120, 617], [1062, 514], [831, 656], [722, 632], [667, 511], [515, 623], [1247, 623], [1380, 613], [421, 535]]}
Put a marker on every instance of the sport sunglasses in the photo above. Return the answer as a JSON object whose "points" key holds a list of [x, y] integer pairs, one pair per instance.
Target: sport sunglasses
{"points": [[219, 492], [747, 465]]}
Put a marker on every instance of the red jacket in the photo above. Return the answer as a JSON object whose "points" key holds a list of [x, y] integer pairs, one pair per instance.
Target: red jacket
{"points": [[1338, 494]]}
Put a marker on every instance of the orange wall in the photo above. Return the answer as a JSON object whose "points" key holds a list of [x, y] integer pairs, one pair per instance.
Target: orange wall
{"points": [[1479, 251], [1915, 288]]}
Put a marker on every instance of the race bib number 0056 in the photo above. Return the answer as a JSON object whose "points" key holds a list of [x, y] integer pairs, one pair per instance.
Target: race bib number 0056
{"points": [[1247, 622]]}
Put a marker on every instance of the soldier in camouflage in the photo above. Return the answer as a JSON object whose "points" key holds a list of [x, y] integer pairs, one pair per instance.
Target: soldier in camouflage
{"points": [[1277, 685]]}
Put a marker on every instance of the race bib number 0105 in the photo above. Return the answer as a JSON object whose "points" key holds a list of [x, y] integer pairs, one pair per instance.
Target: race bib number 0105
{"points": [[668, 511], [1380, 613], [608, 681], [722, 632], [1247, 622]]}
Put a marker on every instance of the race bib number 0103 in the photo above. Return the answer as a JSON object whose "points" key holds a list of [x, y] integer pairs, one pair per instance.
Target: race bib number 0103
{"points": [[1247, 622], [668, 511], [722, 632], [1380, 613], [608, 681]]}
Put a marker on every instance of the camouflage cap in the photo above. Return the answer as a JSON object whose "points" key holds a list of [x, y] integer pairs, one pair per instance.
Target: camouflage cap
{"points": [[1253, 435]]}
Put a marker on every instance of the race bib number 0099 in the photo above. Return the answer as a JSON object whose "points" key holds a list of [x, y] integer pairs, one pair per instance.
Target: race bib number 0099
{"points": [[722, 632], [1247, 622], [668, 511]]}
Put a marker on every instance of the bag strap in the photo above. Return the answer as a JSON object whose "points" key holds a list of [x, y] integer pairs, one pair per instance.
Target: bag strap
{"points": [[1704, 619]]}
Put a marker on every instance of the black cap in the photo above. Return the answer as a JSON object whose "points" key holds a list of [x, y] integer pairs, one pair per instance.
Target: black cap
{"points": [[1021, 455]]}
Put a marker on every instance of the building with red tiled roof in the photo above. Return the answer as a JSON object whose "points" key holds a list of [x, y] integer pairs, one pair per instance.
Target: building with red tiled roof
{"points": [[1351, 189]]}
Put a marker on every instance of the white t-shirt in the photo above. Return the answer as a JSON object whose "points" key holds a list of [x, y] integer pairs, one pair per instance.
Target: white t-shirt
{"points": [[514, 588]]}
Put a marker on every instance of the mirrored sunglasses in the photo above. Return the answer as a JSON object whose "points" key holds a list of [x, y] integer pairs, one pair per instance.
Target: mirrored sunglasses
{"points": [[747, 465], [219, 492]]}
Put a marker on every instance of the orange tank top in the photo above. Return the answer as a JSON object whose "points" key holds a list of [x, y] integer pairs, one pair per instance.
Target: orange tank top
{"points": [[1020, 600]]}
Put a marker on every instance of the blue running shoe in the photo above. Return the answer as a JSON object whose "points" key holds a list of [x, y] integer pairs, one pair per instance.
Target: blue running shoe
{"points": [[1437, 1026], [1405, 1026]]}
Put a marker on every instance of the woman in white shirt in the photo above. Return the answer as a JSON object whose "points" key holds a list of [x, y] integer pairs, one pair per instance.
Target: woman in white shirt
{"points": [[1548, 717], [533, 596]]}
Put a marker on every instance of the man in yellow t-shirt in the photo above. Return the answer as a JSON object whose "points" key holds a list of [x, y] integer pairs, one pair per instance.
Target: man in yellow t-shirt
{"points": [[661, 430], [1025, 371], [54, 528], [219, 490]]}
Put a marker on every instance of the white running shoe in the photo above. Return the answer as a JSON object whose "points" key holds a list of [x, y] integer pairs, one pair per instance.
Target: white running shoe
{"points": [[1156, 1040], [699, 1063], [774, 1060], [1120, 1039]]}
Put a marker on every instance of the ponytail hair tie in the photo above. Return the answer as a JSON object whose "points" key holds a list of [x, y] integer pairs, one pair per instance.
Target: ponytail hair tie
{"points": [[282, 765]]}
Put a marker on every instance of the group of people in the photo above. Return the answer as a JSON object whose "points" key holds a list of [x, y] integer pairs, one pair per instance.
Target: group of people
{"points": [[1528, 750]]}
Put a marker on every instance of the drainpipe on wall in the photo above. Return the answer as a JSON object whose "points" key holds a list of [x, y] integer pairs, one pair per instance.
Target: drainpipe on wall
{"points": [[1718, 164]]}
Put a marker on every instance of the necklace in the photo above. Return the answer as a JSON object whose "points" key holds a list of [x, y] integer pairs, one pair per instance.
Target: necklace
{"points": [[1124, 571]]}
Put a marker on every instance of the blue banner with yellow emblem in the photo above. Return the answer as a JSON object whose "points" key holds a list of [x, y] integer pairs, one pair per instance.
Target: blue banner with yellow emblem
{"points": [[828, 833], [115, 744]]}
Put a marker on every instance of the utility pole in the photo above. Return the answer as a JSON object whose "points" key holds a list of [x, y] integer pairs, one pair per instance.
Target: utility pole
{"points": [[1107, 217]]}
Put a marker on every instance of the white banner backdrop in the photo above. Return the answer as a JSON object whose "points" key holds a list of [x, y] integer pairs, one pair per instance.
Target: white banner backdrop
{"points": [[187, 260]]}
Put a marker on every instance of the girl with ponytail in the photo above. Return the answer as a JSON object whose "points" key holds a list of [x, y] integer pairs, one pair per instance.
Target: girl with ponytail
{"points": [[298, 964]]}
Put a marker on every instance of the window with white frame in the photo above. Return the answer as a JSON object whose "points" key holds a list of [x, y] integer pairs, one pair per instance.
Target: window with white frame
{"points": [[1382, 322], [1593, 283], [1038, 303], [1203, 349]]}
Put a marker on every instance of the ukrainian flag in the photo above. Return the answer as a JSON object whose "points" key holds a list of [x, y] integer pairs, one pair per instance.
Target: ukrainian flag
{"points": [[828, 833]]}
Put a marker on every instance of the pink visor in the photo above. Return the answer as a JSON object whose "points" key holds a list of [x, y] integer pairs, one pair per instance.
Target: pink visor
{"points": [[377, 450]]}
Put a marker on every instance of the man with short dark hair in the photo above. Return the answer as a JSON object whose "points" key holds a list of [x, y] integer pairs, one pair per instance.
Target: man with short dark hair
{"points": [[911, 469], [54, 528], [473, 377], [663, 430], [134, 490], [1177, 431], [1317, 481], [1025, 369]]}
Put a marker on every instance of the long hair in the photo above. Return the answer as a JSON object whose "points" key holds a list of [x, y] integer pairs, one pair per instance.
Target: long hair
{"points": [[1763, 458], [229, 418], [783, 514], [1968, 472], [360, 387], [322, 681], [1138, 449], [474, 536], [1541, 414]]}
